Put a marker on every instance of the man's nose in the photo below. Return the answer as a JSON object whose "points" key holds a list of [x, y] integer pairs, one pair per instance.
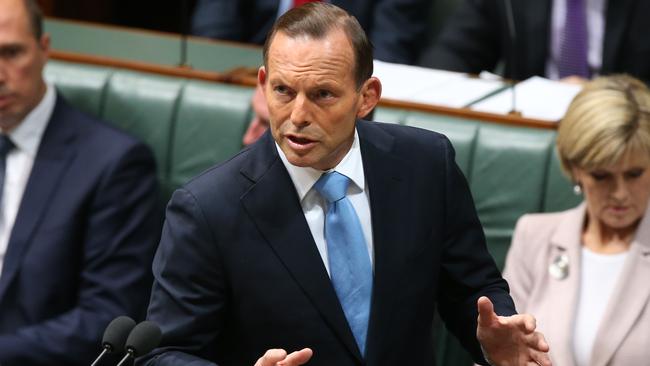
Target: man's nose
{"points": [[300, 112]]}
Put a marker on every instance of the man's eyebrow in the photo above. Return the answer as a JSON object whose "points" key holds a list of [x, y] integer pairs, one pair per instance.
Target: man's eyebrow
{"points": [[12, 46]]}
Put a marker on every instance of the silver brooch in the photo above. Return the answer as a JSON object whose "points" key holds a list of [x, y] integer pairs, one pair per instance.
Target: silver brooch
{"points": [[559, 269]]}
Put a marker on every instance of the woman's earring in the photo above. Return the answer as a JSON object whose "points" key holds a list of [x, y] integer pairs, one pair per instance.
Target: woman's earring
{"points": [[577, 190]]}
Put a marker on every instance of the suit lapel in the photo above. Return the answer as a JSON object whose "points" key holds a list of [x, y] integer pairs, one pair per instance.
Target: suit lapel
{"points": [[616, 13], [282, 223], [628, 300], [54, 155], [384, 174], [563, 293]]}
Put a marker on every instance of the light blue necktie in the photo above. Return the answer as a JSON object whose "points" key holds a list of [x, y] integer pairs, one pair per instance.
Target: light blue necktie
{"points": [[349, 261]]}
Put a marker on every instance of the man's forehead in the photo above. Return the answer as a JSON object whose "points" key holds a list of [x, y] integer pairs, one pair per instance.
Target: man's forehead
{"points": [[331, 48], [13, 17]]}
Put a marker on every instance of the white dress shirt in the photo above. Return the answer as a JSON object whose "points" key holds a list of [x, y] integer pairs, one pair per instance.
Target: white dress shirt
{"points": [[26, 138], [599, 275], [595, 31], [314, 205]]}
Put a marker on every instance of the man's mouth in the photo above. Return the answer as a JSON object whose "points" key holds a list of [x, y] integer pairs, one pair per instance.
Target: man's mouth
{"points": [[300, 143]]}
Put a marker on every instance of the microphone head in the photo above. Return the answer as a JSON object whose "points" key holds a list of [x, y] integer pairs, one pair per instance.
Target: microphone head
{"points": [[116, 333], [143, 338]]}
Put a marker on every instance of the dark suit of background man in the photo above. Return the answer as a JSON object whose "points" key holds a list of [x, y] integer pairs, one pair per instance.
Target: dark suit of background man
{"points": [[246, 254], [476, 38], [79, 216], [397, 28]]}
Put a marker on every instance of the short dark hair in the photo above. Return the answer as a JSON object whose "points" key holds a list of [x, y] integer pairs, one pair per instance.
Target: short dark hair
{"points": [[316, 20], [35, 17]]}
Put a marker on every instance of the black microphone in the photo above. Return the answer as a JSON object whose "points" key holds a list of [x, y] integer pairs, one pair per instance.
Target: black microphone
{"points": [[115, 336], [143, 338]]}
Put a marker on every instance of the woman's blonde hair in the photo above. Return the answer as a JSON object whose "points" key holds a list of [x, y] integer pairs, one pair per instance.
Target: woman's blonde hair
{"points": [[608, 118]]}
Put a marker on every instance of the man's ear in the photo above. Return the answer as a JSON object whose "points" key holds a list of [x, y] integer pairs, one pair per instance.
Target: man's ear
{"points": [[44, 44], [261, 75], [369, 96]]}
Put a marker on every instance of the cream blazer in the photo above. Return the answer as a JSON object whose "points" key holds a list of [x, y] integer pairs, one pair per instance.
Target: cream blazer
{"points": [[623, 337]]}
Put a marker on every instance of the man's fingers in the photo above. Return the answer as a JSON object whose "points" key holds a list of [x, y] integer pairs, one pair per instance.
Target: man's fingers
{"points": [[297, 358], [271, 357], [538, 342], [541, 358], [526, 323], [486, 314]]}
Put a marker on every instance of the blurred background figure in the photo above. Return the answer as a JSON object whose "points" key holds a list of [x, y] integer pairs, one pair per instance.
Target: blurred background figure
{"points": [[79, 211], [557, 39], [584, 272], [260, 122], [397, 28]]}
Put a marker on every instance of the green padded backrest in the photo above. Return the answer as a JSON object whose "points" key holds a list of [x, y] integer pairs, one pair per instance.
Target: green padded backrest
{"points": [[389, 115], [145, 105], [212, 119], [150, 47], [82, 85], [461, 133], [559, 191], [508, 179]]}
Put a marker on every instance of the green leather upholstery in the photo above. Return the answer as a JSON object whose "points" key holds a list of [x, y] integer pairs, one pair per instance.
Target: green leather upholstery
{"points": [[189, 125], [559, 193], [508, 179], [461, 133], [214, 121], [150, 47], [82, 85], [389, 115], [146, 106]]}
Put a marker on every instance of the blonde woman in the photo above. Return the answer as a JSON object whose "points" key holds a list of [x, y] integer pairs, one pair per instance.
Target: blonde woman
{"points": [[585, 273]]}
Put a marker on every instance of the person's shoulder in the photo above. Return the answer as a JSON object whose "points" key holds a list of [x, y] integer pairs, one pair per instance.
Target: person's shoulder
{"points": [[404, 136], [542, 226], [542, 220], [222, 178]]}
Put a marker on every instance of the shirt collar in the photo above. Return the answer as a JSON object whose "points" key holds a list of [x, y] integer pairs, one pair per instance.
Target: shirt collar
{"points": [[27, 135], [304, 178]]}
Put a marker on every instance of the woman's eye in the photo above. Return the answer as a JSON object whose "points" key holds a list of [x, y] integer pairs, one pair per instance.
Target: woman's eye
{"points": [[635, 173], [599, 176]]}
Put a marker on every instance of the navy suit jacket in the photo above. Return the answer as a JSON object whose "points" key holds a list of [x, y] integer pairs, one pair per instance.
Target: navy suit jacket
{"points": [[82, 243], [237, 271], [476, 38], [397, 28]]}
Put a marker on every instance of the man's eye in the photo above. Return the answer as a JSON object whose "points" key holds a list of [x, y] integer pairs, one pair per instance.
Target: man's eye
{"points": [[324, 94], [280, 89], [10, 52]]}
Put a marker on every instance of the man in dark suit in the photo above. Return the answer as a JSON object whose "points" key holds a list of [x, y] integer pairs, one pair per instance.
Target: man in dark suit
{"points": [[260, 253], [397, 28], [79, 215], [476, 38]]}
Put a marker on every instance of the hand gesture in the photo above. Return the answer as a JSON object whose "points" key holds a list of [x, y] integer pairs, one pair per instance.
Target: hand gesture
{"points": [[510, 340], [279, 357]]}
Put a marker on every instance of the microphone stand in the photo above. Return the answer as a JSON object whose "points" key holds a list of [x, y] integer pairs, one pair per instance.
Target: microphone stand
{"points": [[101, 355], [129, 354], [512, 32], [184, 32]]}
